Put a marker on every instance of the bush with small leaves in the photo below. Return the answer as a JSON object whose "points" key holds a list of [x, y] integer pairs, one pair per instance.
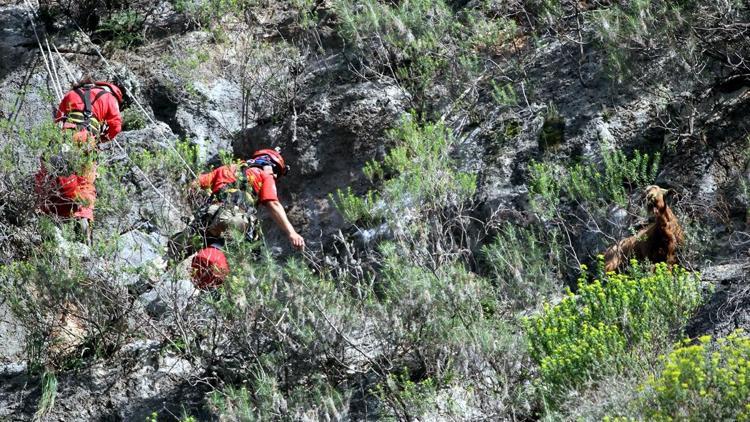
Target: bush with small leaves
{"points": [[125, 28], [420, 171], [525, 263], [64, 300], [610, 323], [133, 119], [707, 379], [626, 30], [422, 43], [553, 129], [591, 183]]}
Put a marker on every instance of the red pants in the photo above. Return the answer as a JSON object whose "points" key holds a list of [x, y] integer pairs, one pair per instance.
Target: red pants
{"points": [[70, 196], [209, 268]]}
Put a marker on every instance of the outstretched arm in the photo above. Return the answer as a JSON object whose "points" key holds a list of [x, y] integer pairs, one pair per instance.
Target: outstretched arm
{"points": [[279, 217], [113, 119]]}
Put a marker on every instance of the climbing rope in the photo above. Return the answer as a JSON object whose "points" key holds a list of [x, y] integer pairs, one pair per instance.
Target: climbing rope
{"points": [[65, 64], [55, 83]]}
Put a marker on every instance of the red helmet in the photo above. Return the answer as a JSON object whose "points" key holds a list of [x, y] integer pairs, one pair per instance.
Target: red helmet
{"points": [[277, 161], [112, 88]]}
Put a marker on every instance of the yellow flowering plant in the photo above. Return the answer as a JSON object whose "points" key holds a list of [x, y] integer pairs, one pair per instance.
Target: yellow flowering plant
{"points": [[609, 322], [707, 379]]}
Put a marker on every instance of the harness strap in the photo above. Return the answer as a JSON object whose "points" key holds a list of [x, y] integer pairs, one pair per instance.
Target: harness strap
{"points": [[79, 119], [240, 184], [97, 96], [85, 118]]}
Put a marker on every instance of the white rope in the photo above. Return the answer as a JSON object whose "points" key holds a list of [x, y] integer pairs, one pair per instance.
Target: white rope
{"points": [[58, 91], [54, 66], [65, 64]]}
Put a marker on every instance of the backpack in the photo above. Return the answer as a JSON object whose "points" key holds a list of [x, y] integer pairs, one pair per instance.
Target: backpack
{"points": [[233, 209]]}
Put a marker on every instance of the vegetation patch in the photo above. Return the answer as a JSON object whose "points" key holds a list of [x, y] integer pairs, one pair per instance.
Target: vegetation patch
{"points": [[553, 129], [417, 171], [525, 264], [610, 324], [422, 43], [598, 185], [704, 379]]}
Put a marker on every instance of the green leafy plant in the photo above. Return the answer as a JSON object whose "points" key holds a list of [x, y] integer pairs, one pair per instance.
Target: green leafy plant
{"points": [[526, 264], [133, 119], [627, 31], [62, 301], [504, 94], [421, 43], [594, 184], [405, 396], [421, 173], [49, 392], [124, 27], [357, 209], [553, 129], [609, 324], [708, 379]]}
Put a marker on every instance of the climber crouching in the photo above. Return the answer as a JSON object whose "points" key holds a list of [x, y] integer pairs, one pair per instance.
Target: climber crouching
{"points": [[89, 114], [236, 190]]}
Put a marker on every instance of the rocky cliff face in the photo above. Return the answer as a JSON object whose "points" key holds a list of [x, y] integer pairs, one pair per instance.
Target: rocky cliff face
{"points": [[259, 87]]}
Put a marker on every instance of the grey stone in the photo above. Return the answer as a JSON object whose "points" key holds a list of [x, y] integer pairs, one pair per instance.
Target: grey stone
{"points": [[140, 257], [12, 336], [726, 273], [169, 297], [212, 123]]}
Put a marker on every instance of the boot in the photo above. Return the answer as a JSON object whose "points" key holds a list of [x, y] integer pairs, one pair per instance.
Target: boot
{"points": [[84, 231]]}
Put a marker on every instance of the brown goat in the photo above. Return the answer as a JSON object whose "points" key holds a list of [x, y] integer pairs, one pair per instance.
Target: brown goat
{"points": [[656, 242]]}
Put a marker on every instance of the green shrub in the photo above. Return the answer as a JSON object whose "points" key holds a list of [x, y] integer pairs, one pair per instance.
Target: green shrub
{"points": [[525, 264], [422, 43], [59, 279], [187, 65], [267, 401], [608, 324], [406, 397], [356, 209], [133, 119], [267, 310], [504, 95], [553, 129], [49, 393], [124, 28], [708, 380], [21, 149], [599, 185], [421, 171], [88, 14], [450, 323], [442, 322], [545, 188], [628, 32], [210, 13]]}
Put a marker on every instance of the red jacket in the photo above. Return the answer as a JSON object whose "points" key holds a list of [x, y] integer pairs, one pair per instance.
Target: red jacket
{"points": [[263, 184], [105, 109]]}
